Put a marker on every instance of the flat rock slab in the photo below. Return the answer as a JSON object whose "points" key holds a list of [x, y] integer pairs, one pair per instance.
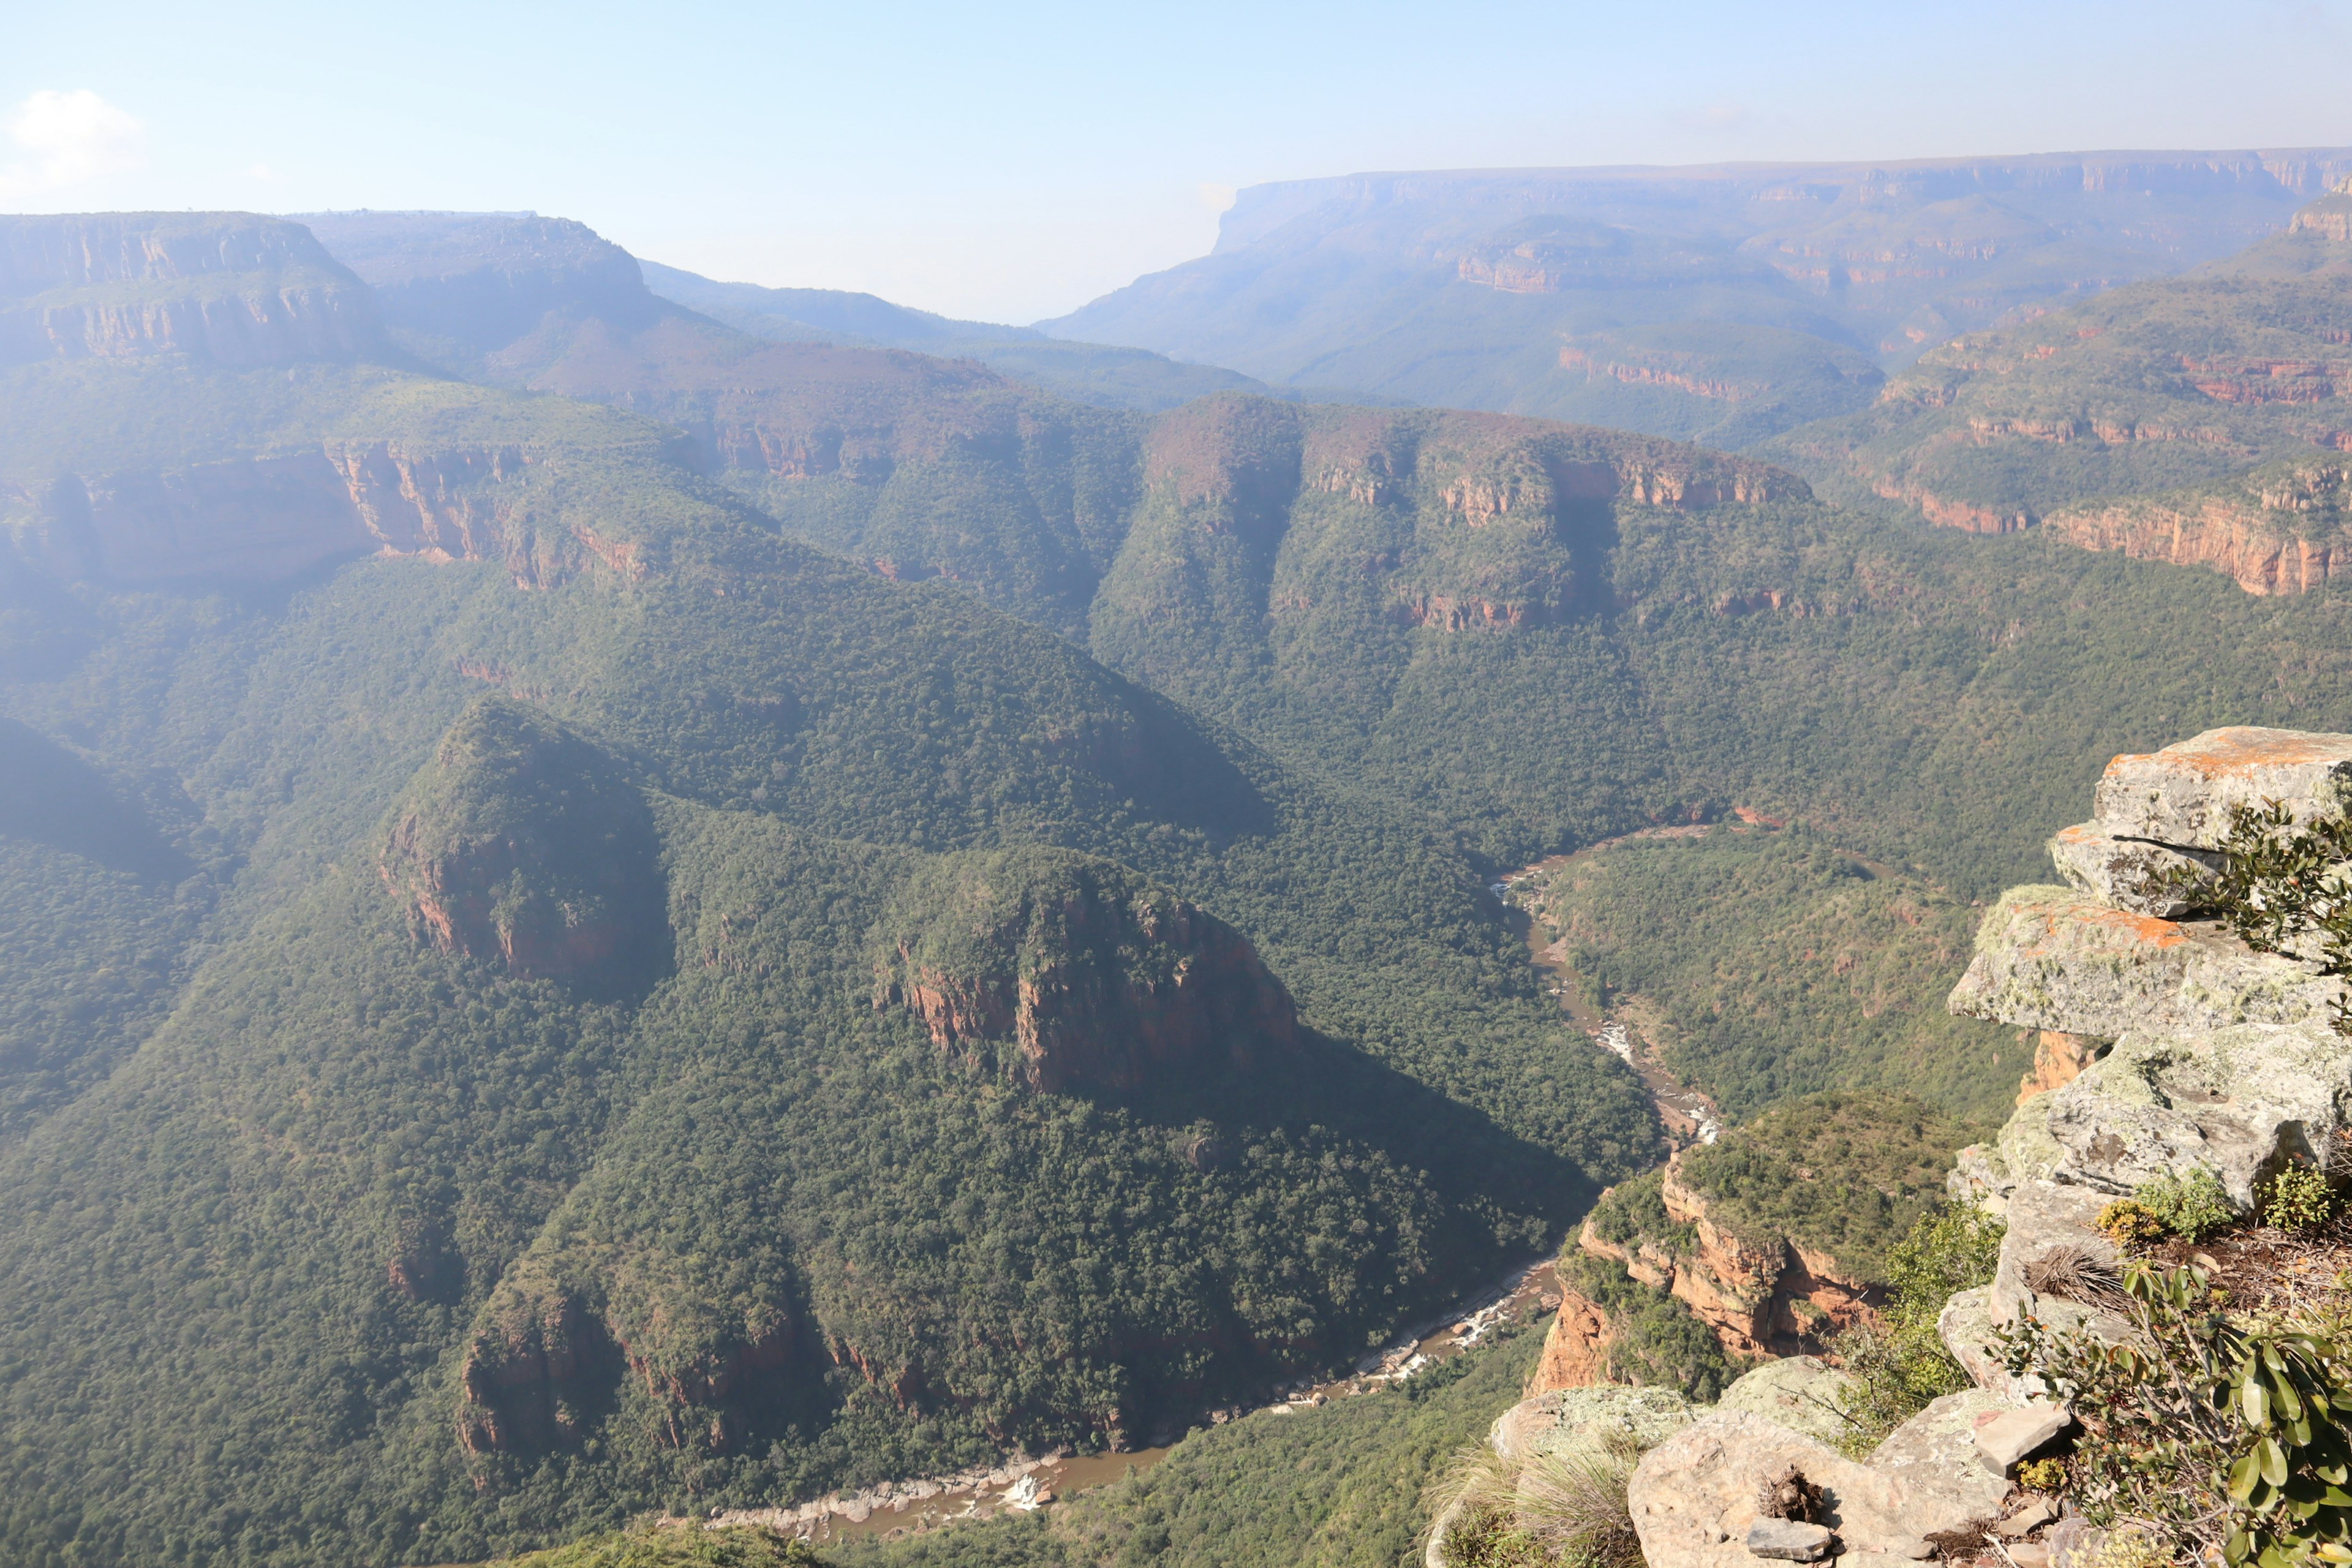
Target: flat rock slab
{"points": [[2005, 1436], [1801, 1392], [1790, 1540], [2132, 874], [2184, 793], [1935, 1458], [2056, 958], [1693, 1497], [1570, 1419]]}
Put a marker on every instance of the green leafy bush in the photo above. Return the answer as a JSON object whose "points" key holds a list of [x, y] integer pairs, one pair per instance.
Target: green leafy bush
{"points": [[2222, 1440], [2297, 1198], [2191, 1205], [1899, 1363]]}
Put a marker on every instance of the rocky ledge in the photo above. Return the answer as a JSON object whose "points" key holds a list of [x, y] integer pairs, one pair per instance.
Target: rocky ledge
{"points": [[2177, 1047]]}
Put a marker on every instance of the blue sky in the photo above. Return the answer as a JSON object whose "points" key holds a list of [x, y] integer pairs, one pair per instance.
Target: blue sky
{"points": [[1012, 161]]}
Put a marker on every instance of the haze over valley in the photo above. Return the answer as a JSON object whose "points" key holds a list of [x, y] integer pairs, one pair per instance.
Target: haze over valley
{"points": [[1387, 895]]}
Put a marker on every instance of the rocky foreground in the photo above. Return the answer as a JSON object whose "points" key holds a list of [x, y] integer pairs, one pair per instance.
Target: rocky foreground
{"points": [[2166, 1044]]}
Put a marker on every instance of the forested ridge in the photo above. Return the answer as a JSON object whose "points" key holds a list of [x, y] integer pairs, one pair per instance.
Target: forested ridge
{"points": [[477, 1062]]}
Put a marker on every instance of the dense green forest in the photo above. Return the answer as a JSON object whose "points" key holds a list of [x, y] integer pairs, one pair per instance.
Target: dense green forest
{"points": [[1770, 964], [538, 934]]}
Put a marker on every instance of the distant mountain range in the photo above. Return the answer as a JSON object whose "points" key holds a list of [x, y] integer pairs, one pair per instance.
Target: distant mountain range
{"points": [[1719, 303], [605, 911]]}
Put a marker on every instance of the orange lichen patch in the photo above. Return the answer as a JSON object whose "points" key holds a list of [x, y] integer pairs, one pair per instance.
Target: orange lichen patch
{"points": [[2238, 749], [2122, 928]]}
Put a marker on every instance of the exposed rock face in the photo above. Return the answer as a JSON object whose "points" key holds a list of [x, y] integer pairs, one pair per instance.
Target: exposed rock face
{"points": [[549, 1353], [520, 844], [1072, 973], [1694, 1497], [264, 520], [1749, 1292], [1575, 1348], [2284, 536], [2222, 1058], [2058, 1060], [231, 288]]}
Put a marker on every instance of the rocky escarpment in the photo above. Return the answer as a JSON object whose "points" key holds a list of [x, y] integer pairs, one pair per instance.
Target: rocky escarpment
{"points": [[267, 519], [2168, 1045], [2279, 530], [520, 844], [1070, 973], [1761, 1295], [231, 288], [463, 286]]}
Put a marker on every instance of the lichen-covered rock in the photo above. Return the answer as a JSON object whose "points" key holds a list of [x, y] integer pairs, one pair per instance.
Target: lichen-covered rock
{"points": [[1569, 1419], [1965, 1326], [2183, 795], [2240, 1102], [1935, 1457], [2133, 874], [1694, 1497], [2044, 1216], [1801, 1392], [2053, 958]]}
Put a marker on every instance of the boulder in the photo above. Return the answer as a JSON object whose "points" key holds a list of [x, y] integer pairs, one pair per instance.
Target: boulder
{"points": [[1801, 1392], [2183, 795], [2043, 1218], [2134, 874], [2242, 1101], [2053, 958], [1790, 1540], [1966, 1325], [1570, 1418], [1937, 1460], [2005, 1436], [1694, 1497]]}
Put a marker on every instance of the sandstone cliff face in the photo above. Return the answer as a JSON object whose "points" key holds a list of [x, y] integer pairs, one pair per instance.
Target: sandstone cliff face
{"points": [[1072, 973], [236, 289], [520, 844], [265, 519], [552, 1345], [2279, 531], [1575, 1348]]}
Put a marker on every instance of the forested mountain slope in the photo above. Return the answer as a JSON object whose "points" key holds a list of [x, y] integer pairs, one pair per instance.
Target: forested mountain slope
{"points": [[1537, 633], [517, 1072], [1711, 303]]}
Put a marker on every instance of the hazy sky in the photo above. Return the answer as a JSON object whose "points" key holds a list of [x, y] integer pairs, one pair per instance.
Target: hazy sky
{"points": [[1011, 162]]}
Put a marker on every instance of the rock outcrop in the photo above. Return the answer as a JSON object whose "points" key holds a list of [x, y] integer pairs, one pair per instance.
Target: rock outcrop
{"points": [[231, 288], [520, 844], [1071, 973], [2167, 1045], [267, 519], [1575, 1348], [2277, 531], [1762, 1296]]}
